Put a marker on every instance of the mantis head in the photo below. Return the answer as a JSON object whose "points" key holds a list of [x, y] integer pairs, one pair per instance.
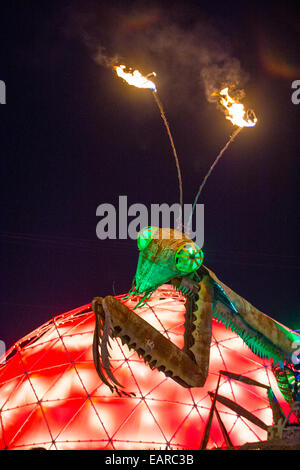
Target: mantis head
{"points": [[165, 255]]}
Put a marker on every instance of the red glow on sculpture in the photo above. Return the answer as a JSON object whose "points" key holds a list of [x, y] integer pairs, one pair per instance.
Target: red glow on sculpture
{"points": [[52, 397]]}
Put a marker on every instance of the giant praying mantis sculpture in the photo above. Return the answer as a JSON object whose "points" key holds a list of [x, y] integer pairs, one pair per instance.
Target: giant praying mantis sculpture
{"points": [[169, 256]]}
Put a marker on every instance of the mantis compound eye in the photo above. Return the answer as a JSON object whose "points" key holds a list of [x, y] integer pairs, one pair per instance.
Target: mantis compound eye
{"points": [[188, 258], [145, 236]]}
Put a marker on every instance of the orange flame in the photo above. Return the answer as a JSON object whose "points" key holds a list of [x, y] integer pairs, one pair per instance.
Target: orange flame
{"points": [[235, 111], [135, 78]]}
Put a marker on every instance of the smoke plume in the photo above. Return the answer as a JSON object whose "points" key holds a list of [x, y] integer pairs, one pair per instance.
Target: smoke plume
{"points": [[184, 53]]}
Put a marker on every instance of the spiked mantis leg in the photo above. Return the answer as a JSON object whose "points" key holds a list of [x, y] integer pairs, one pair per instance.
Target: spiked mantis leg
{"points": [[276, 340], [188, 369]]}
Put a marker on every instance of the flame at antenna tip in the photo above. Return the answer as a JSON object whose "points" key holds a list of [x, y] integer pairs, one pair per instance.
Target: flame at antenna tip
{"points": [[235, 111], [135, 78]]}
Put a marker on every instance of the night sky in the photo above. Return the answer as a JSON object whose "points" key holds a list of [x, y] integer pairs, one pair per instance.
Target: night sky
{"points": [[73, 136]]}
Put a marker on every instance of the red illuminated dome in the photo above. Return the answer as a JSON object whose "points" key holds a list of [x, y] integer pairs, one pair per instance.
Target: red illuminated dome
{"points": [[52, 397]]}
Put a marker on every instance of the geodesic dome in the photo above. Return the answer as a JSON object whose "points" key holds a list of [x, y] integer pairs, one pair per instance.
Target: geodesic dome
{"points": [[52, 397]]}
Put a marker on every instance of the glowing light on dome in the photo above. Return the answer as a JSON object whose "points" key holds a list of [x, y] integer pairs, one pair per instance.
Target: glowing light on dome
{"points": [[48, 401]]}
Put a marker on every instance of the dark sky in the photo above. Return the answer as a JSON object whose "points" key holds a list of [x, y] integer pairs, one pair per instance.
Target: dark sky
{"points": [[74, 136]]}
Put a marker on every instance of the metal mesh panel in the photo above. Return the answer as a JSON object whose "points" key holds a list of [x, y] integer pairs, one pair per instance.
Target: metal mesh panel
{"points": [[52, 397]]}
